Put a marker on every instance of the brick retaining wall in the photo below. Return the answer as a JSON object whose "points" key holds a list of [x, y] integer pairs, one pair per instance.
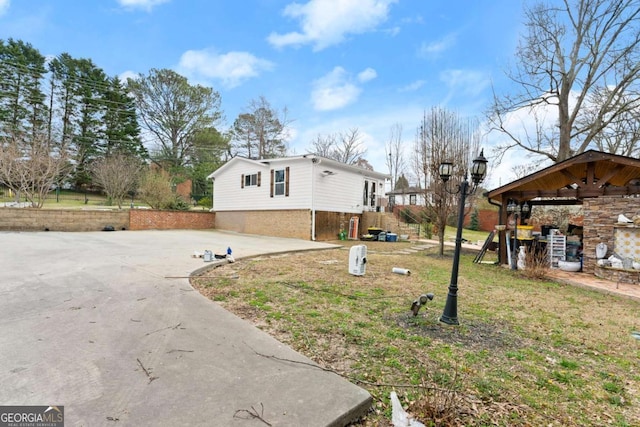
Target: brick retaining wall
{"points": [[149, 219], [29, 219]]}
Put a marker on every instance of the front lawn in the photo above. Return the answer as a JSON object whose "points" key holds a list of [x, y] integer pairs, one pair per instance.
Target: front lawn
{"points": [[527, 353]]}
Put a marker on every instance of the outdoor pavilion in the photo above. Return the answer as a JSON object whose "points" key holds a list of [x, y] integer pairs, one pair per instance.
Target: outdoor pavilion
{"points": [[605, 184]]}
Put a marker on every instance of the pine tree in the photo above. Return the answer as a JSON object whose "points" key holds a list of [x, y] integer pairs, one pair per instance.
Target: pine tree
{"points": [[122, 132], [23, 110]]}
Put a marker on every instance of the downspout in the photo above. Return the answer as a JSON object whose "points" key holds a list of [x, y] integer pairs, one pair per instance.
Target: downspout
{"points": [[213, 180], [499, 205], [314, 161]]}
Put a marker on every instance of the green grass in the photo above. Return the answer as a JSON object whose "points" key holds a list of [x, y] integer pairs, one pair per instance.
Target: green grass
{"points": [[527, 352]]}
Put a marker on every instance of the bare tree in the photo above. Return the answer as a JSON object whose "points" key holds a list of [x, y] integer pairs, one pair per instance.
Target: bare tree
{"points": [[323, 146], [262, 131], [118, 175], [579, 61], [443, 136], [395, 157], [622, 134], [31, 168], [345, 147]]}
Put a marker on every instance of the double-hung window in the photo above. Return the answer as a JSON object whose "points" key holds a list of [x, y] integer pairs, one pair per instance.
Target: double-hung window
{"points": [[280, 182]]}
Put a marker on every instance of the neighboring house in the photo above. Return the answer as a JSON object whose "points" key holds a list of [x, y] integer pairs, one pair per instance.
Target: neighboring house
{"points": [[410, 196], [308, 197]]}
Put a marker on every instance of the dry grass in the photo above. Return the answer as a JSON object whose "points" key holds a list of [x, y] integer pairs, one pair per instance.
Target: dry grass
{"points": [[527, 353]]}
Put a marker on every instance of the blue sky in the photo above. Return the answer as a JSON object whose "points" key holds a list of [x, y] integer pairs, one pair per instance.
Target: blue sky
{"points": [[334, 64]]}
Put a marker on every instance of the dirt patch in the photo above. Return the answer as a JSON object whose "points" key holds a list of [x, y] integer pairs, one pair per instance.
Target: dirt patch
{"points": [[471, 334]]}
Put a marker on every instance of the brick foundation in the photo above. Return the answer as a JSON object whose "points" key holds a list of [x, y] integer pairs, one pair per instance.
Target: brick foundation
{"points": [[292, 223]]}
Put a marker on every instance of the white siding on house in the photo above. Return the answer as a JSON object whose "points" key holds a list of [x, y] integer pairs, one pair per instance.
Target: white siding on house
{"points": [[342, 192], [319, 185], [228, 194], [405, 199]]}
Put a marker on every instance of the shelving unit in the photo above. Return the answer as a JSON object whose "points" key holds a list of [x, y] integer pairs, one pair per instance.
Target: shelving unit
{"points": [[556, 248]]}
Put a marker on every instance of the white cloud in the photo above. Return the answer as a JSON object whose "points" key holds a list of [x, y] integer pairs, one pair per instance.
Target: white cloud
{"points": [[469, 83], [522, 123], [367, 75], [435, 48], [141, 4], [232, 68], [373, 126], [128, 75], [413, 86], [334, 91], [4, 6], [324, 23]]}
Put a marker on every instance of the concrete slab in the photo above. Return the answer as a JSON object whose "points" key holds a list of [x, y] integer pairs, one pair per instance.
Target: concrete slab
{"points": [[106, 324]]}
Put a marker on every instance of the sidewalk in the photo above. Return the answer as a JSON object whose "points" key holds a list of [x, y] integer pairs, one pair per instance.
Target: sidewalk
{"points": [[590, 281]]}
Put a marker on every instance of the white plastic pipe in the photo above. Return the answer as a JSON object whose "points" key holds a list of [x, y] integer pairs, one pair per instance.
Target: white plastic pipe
{"points": [[399, 270]]}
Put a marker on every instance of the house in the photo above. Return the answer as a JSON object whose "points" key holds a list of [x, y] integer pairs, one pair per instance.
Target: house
{"points": [[410, 196], [307, 197]]}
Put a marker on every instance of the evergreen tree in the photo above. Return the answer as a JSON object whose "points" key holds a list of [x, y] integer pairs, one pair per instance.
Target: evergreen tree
{"points": [[211, 151], [23, 110], [90, 121], [402, 183], [474, 221], [122, 132], [65, 94]]}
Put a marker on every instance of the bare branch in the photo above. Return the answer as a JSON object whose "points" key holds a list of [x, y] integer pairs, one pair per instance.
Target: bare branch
{"points": [[31, 168], [579, 62]]}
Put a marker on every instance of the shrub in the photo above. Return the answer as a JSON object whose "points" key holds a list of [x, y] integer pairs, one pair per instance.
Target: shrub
{"points": [[178, 204], [536, 262], [205, 202]]}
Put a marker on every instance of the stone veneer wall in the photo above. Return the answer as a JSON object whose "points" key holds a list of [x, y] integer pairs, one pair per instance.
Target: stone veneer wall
{"points": [[600, 218]]}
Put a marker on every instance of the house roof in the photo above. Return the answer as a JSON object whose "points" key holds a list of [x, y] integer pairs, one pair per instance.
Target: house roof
{"points": [[408, 190], [306, 157], [586, 175]]}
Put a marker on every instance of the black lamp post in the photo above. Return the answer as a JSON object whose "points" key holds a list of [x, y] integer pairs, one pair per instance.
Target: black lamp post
{"points": [[515, 209], [478, 172]]}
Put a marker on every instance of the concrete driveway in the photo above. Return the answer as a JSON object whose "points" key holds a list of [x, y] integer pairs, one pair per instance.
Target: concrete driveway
{"points": [[106, 324]]}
